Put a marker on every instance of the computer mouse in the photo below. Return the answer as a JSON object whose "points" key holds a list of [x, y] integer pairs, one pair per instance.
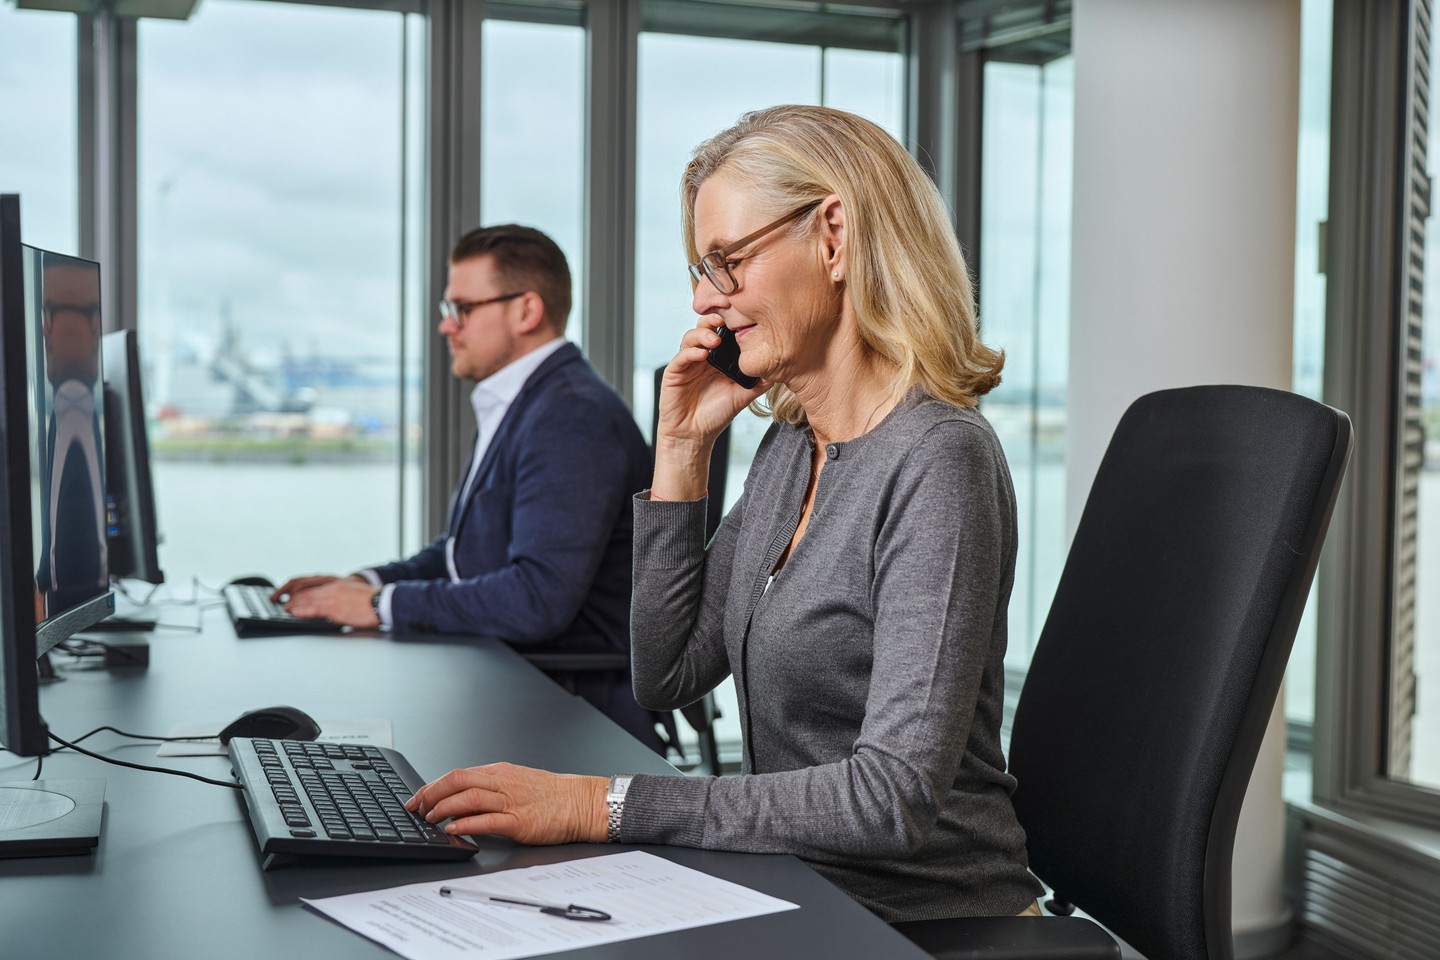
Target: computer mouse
{"points": [[256, 581], [275, 723]]}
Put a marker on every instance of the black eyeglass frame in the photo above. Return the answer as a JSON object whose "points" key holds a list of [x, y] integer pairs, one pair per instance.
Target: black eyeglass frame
{"points": [[716, 264], [457, 310]]}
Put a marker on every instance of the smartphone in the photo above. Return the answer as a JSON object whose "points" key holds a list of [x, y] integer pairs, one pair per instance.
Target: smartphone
{"points": [[726, 358]]}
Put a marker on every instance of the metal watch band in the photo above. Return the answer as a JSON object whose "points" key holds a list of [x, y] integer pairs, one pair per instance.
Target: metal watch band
{"points": [[615, 801]]}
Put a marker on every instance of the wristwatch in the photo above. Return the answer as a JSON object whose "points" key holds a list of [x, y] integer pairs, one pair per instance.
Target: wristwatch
{"points": [[615, 800], [375, 603]]}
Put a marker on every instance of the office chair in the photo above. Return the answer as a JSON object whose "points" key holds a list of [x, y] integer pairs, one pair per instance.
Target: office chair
{"points": [[701, 714], [1157, 670]]}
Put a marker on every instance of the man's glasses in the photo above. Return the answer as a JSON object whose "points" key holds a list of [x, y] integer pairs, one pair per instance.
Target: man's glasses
{"points": [[715, 266], [457, 310]]}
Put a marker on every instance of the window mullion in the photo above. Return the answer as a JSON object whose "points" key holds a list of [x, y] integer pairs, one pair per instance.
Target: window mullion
{"points": [[612, 32]]}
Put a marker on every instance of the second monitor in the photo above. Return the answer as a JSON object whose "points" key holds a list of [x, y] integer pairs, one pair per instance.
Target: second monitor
{"points": [[133, 530]]}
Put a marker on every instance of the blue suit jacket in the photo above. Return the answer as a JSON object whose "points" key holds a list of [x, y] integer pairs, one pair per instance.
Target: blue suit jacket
{"points": [[542, 544]]}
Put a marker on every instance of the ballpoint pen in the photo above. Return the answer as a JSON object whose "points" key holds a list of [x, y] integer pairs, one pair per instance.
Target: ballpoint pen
{"points": [[570, 912]]}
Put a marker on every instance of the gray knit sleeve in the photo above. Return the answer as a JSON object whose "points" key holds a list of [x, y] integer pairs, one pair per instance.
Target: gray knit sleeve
{"points": [[677, 618], [943, 551]]}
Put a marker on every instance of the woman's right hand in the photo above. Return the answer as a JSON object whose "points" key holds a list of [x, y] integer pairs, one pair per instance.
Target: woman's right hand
{"points": [[696, 400], [696, 403]]}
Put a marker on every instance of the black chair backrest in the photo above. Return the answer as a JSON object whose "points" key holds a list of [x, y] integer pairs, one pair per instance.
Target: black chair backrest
{"points": [[1163, 652], [719, 463]]}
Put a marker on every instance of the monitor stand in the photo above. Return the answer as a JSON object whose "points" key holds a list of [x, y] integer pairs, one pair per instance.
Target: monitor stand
{"points": [[50, 818], [122, 625]]}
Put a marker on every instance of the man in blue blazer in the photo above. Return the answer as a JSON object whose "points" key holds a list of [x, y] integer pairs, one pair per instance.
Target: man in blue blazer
{"points": [[537, 548]]}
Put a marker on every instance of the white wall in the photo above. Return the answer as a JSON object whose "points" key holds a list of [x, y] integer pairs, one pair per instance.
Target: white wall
{"points": [[1186, 121]]}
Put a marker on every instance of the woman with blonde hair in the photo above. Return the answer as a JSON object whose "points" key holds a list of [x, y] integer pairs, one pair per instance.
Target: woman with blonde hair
{"points": [[857, 591]]}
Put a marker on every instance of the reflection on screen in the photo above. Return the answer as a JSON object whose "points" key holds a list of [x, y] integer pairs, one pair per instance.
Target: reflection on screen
{"points": [[66, 451]]}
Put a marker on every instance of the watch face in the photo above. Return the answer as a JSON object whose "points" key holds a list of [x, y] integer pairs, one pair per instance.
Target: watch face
{"points": [[618, 787]]}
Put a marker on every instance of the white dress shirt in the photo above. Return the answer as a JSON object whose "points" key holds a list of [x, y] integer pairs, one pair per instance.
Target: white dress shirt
{"points": [[490, 400]]}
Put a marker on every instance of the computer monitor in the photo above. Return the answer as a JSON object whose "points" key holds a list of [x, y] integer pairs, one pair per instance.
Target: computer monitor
{"points": [[130, 494], [53, 575], [54, 579]]}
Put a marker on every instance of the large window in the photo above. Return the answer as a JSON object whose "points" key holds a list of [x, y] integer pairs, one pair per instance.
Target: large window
{"points": [[276, 275], [1025, 310], [1376, 711], [1311, 206], [38, 114], [532, 138]]}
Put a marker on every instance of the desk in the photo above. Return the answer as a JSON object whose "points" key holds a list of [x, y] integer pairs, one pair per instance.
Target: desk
{"points": [[177, 873]]}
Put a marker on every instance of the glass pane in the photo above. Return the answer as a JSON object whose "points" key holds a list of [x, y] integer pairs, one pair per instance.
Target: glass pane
{"points": [[1026, 178], [867, 82], [672, 122], [1312, 203], [38, 96], [277, 270], [532, 138]]}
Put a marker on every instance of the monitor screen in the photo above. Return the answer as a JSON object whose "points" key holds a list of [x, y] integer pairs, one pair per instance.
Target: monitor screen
{"points": [[134, 538], [54, 579], [67, 452]]}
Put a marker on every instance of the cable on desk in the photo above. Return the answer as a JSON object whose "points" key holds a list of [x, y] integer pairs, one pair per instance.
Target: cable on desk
{"points": [[194, 600], [39, 762], [120, 588], [141, 766], [136, 736]]}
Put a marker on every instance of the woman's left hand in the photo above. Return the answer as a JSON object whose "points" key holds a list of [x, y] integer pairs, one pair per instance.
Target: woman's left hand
{"points": [[524, 804]]}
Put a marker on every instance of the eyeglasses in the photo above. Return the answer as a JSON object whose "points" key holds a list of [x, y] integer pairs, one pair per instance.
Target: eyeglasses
{"points": [[457, 310], [715, 266]]}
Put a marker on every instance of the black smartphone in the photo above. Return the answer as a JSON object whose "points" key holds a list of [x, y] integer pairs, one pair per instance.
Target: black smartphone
{"points": [[725, 357]]}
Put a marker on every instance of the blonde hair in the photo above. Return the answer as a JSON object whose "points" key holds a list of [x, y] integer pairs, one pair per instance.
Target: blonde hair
{"points": [[904, 271]]}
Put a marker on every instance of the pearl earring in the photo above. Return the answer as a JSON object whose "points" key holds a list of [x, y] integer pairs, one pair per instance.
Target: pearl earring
{"points": [[835, 275]]}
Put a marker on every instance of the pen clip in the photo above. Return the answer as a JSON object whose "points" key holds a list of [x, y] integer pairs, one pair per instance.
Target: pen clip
{"points": [[574, 912]]}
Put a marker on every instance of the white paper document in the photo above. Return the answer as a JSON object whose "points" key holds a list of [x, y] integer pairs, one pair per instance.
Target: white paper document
{"points": [[644, 895], [374, 733]]}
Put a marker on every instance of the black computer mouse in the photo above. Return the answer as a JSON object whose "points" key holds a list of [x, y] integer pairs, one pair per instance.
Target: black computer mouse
{"points": [[256, 581], [275, 723]]}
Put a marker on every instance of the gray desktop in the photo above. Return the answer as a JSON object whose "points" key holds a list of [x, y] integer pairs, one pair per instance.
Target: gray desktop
{"points": [[178, 873]]}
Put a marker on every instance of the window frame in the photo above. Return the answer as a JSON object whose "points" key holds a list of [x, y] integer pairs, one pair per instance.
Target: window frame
{"points": [[1375, 152]]}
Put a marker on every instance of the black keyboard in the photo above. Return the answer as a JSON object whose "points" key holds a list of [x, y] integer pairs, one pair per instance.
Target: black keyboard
{"points": [[252, 611], [329, 799]]}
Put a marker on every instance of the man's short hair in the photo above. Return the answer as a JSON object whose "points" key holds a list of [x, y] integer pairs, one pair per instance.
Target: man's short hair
{"points": [[525, 259]]}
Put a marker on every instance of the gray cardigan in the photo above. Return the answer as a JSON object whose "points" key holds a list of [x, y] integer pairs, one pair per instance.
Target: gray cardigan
{"points": [[870, 674]]}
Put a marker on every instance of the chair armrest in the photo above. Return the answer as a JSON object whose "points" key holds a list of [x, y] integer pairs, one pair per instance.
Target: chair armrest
{"points": [[1011, 938]]}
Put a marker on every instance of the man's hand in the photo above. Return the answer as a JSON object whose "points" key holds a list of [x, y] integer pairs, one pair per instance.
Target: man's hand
{"points": [[531, 806], [343, 601], [297, 585]]}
